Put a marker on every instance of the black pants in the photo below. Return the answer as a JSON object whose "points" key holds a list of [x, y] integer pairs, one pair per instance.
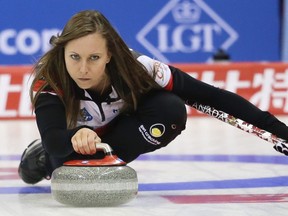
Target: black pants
{"points": [[160, 117]]}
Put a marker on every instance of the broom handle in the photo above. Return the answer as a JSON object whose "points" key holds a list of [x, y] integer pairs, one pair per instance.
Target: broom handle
{"points": [[238, 123]]}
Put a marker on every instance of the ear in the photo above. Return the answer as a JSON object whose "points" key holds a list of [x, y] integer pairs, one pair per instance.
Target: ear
{"points": [[109, 56]]}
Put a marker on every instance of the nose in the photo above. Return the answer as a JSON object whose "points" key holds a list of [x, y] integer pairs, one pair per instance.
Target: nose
{"points": [[83, 67]]}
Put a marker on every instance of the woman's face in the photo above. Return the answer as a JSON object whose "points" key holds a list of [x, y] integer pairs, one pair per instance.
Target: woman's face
{"points": [[86, 60]]}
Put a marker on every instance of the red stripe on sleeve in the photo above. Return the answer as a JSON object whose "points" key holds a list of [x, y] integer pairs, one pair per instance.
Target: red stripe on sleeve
{"points": [[169, 86], [38, 85]]}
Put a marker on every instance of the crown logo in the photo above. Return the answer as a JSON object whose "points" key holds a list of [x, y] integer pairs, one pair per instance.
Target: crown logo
{"points": [[186, 12]]}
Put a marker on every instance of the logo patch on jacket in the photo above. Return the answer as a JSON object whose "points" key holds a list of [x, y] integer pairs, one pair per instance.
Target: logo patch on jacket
{"points": [[157, 130], [148, 136], [85, 115]]}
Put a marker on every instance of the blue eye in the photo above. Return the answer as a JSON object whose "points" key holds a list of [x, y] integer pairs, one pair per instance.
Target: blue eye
{"points": [[94, 57], [75, 56]]}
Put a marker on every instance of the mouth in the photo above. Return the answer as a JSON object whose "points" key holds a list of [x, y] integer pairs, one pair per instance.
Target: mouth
{"points": [[84, 79]]}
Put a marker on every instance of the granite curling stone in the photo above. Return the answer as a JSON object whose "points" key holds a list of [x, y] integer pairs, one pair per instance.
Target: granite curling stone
{"points": [[97, 182]]}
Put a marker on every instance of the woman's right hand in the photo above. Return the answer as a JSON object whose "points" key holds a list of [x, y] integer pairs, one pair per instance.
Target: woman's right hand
{"points": [[84, 141]]}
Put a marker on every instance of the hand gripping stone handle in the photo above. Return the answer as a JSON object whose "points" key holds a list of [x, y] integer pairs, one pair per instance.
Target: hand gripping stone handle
{"points": [[240, 124], [110, 159]]}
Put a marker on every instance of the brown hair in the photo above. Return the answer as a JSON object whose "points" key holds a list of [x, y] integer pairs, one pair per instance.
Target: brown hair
{"points": [[128, 76]]}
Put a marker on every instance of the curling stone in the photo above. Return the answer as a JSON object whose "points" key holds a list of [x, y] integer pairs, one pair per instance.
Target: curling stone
{"points": [[96, 182]]}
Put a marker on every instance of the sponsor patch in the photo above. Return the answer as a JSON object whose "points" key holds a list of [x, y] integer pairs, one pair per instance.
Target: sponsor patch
{"points": [[146, 135], [157, 130]]}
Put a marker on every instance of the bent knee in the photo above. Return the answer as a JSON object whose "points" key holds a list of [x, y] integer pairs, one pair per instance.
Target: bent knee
{"points": [[164, 111], [166, 106]]}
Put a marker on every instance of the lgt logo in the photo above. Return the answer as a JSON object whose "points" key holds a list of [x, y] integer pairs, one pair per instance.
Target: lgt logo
{"points": [[197, 31]]}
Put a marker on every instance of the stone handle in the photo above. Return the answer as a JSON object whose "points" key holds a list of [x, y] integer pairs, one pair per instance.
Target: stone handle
{"points": [[105, 148], [109, 160]]}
